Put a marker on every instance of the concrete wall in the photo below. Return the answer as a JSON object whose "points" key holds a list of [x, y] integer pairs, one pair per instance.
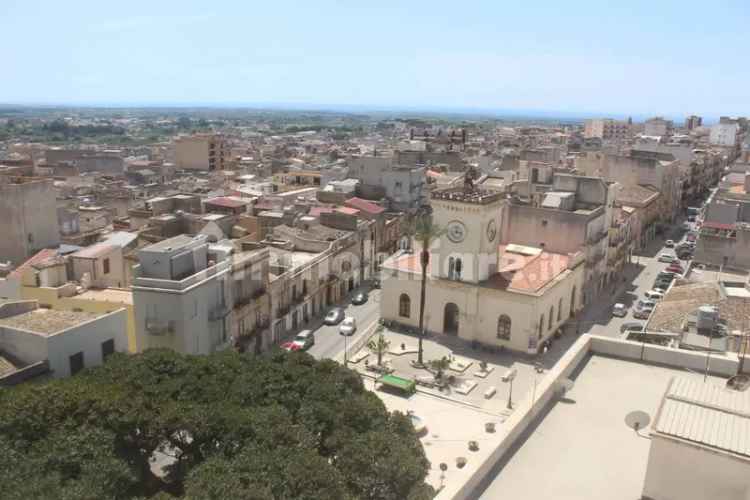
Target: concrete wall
{"points": [[564, 232], [191, 154], [27, 347], [28, 219], [10, 288], [679, 469], [87, 338]]}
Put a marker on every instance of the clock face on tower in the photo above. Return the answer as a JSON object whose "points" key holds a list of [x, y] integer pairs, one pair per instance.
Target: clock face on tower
{"points": [[491, 230], [456, 231]]}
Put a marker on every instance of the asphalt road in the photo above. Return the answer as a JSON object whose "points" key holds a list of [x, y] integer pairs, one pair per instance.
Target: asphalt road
{"points": [[329, 343], [640, 276]]}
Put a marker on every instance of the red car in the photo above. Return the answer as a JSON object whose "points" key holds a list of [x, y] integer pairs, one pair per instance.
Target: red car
{"points": [[675, 268]]}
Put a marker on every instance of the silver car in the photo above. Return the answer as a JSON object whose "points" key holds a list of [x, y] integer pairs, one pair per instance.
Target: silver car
{"points": [[334, 316]]}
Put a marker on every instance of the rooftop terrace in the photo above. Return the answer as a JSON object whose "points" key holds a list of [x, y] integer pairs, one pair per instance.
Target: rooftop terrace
{"points": [[581, 448], [47, 321]]}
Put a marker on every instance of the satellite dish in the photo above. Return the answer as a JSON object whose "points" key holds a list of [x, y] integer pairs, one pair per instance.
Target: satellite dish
{"points": [[637, 420]]}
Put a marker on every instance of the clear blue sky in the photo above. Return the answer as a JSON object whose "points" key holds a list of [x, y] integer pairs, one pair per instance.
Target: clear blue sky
{"points": [[639, 57]]}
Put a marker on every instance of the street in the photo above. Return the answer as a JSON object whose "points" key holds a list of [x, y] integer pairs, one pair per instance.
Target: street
{"points": [[328, 342], [597, 318]]}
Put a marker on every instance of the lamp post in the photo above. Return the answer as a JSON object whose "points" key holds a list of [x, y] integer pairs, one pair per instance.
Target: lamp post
{"points": [[346, 361], [509, 376]]}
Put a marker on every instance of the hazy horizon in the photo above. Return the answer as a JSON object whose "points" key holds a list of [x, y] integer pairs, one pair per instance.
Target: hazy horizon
{"points": [[580, 60]]}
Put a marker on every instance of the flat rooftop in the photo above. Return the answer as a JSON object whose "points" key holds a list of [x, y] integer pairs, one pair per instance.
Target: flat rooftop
{"points": [[108, 294], [48, 321], [581, 448]]}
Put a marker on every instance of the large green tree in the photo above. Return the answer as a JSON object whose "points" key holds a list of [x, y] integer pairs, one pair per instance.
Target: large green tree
{"points": [[161, 425]]}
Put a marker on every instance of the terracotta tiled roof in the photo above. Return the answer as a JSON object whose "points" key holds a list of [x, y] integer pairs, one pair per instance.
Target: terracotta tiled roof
{"points": [[365, 206], [38, 257]]}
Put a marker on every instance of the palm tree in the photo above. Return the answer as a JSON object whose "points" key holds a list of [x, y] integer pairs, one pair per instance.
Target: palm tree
{"points": [[426, 232], [379, 346]]}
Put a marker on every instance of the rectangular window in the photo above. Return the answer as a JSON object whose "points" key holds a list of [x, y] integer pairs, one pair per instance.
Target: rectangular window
{"points": [[108, 347], [106, 266], [76, 363]]}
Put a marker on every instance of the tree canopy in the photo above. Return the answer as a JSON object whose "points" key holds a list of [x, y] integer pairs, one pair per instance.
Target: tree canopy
{"points": [[282, 426]]}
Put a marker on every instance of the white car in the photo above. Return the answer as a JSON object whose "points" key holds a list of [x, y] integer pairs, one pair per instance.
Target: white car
{"points": [[653, 295], [669, 243], [666, 257], [348, 327], [619, 310]]}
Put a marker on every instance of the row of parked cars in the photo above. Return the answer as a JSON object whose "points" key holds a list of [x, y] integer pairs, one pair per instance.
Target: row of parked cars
{"points": [[306, 338]]}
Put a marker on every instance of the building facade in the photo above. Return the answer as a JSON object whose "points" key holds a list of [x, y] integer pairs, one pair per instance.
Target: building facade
{"points": [[28, 217]]}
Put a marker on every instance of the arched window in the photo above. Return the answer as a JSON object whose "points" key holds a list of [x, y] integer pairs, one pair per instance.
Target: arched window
{"points": [[559, 310], [551, 317], [541, 325], [404, 306], [503, 327]]}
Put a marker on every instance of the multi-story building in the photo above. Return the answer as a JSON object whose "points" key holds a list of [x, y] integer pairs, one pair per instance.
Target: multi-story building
{"points": [[607, 129], [640, 168], [658, 127], [181, 294], [403, 186], [564, 213], [502, 295], [725, 134], [692, 122], [201, 152], [28, 217]]}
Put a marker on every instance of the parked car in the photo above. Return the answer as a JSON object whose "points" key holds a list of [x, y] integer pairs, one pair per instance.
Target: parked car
{"points": [[691, 237], [669, 243], [631, 326], [334, 316], [675, 268], [348, 327], [653, 295], [684, 254], [360, 298], [376, 283], [645, 304], [661, 290], [666, 257], [666, 275], [619, 310], [302, 342], [687, 226], [641, 313]]}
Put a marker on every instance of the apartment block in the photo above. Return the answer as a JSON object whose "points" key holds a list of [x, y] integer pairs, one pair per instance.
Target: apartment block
{"points": [[28, 217], [201, 152], [607, 129], [181, 295]]}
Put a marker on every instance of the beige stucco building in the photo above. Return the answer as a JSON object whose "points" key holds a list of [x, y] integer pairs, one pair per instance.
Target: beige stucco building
{"points": [[201, 152], [509, 295]]}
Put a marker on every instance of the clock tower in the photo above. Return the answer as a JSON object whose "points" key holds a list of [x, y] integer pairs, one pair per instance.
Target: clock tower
{"points": [[471, 220]]}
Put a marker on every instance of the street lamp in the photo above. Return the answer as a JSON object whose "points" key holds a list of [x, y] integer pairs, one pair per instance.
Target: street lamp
{"points": [[509, 376], [346, 362]]}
